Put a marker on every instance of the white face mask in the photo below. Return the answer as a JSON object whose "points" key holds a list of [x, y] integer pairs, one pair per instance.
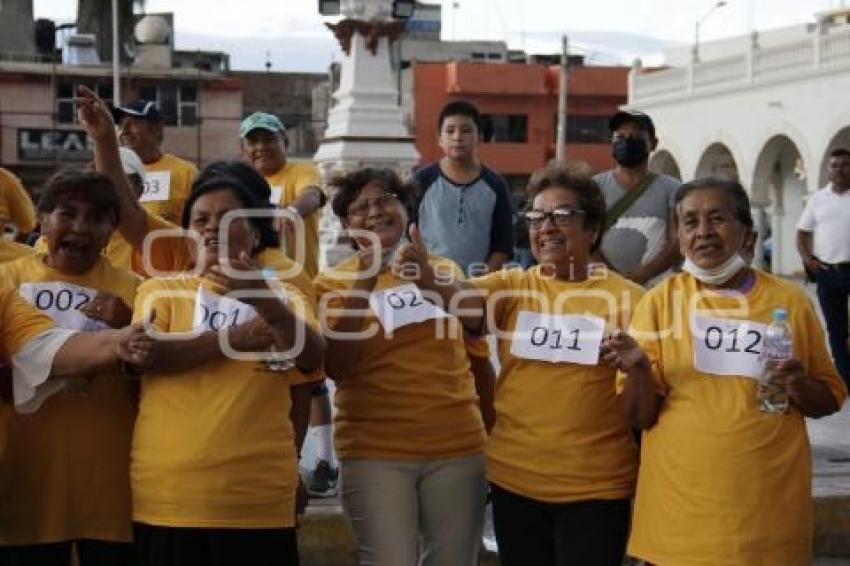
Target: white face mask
{"points": [[718, 275]]}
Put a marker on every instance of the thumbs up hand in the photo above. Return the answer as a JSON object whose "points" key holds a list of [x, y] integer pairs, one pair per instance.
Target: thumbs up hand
{"points": [[411, 258]]}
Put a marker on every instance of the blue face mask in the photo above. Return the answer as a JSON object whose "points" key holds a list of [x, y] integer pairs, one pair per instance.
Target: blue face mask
{"points": [[630, 152]]}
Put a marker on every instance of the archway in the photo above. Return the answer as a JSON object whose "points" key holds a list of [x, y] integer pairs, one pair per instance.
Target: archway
{"points": [[841, 139], [779, 188], [663, 162], [717, 161]]}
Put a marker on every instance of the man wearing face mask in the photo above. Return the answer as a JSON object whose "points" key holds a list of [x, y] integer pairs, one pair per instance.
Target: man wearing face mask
{"points": [[638, 241]]}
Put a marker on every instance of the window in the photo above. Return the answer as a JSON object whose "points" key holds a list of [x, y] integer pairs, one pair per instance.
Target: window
{"points": [[586, 129], [504, 128], [66, 89], [178, 104]]}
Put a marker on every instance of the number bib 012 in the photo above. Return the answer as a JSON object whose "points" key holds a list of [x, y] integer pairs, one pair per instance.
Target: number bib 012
{"points": [[402, 306], [215, 312], [558, 338], [157, 187], [62, 303], [727, 346]]}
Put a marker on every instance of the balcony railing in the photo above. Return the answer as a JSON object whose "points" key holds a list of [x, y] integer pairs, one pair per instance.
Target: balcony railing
{"points": [[819, 52]]}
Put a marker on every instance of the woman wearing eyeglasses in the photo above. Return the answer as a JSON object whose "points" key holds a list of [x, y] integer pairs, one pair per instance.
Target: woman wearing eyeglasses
{"points": [[409, 433], [561, 460]]}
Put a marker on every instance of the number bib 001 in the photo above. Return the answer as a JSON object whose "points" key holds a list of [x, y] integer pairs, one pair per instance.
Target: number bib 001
{"points": [[214, 312], [558, 338], [727, 346], [62, 302], [157, 187], [402, 306]]}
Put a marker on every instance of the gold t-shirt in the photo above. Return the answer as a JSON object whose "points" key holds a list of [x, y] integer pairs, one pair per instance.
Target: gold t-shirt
{"points": [[721, 482], [287, 185], [169, 182], [213, 445], [560, 433], [16, 206], [65, 473], [411, 396]]}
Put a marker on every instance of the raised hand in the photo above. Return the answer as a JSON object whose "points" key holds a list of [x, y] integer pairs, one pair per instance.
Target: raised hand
{"points": [[411, 258], [109, 308], [244, 263], [620, 351], [93, 115]]}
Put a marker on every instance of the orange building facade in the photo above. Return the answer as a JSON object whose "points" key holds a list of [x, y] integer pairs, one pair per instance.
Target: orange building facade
{"points": [[519, 103]]}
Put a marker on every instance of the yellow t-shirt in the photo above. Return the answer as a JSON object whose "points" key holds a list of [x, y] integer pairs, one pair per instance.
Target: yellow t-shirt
{"points": [[169, 182], [411, 396], [10, 251], [213, 446], [21, 323], [287, 185], [720, 482], [560, 433], [65, 474], [16, 206]]}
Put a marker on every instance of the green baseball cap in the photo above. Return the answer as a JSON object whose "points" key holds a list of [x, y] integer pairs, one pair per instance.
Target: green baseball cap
{"points": [[262, 121]]}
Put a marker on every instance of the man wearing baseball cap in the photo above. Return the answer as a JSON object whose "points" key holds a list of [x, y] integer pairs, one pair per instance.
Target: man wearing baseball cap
{"points": [[294, 186], [638, 240], [169, 179]]}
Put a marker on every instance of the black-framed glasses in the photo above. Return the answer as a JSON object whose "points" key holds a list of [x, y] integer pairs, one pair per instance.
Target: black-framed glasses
{"points": [[560, 216], [361, 207]]}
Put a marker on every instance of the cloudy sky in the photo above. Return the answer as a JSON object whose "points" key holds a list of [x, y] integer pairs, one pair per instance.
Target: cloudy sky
{"points": [[292, 34]]}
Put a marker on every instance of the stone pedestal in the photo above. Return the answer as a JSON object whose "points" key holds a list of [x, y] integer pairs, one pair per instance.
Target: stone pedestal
{"points": [[365, 126]]}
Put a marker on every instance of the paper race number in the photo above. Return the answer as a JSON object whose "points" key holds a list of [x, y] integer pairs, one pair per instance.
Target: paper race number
{"points": [[727, 346], [157, 187], [558, 338], [215, 312], [401, 306], [62, 303]]}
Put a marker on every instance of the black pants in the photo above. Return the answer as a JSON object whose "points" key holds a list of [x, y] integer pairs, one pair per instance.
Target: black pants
{"points": [[90, 553], [833, 292], [176, 546], [584, 533]]}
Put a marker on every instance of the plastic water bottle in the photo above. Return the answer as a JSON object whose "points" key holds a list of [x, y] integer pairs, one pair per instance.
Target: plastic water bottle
{"points": [[778, 345]]}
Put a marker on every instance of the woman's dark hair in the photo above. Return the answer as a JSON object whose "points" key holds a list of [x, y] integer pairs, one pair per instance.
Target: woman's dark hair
{"points": [[348, 188], [738, 197], [219, 182], [95, 188], [571, 177], [242, 172]]}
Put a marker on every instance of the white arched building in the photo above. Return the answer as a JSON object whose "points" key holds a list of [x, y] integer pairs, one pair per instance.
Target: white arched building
{"points": [[765, 110]]}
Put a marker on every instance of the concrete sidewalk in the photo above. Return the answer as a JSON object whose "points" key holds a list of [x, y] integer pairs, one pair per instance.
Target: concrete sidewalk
{"points": [[830, 439]]}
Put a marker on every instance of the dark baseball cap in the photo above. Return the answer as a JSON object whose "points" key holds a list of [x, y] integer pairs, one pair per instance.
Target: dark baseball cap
{"points": [[144, 109], [639, 118]]}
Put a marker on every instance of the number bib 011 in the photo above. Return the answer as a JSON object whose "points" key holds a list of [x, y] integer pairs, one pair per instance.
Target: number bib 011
{"points": [[727, 346], [215, 312], [157, 187], [402, 306], [558, 338], [62, 303]]}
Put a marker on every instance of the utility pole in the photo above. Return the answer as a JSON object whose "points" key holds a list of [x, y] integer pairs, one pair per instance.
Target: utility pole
{"points": [[561, 143], [116, 58]]}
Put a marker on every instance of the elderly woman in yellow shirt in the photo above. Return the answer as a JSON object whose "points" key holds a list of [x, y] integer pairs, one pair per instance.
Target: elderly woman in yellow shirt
{"points": [[409, 433], [561, 460], [720, 481], [66, 466], [214, 469]]}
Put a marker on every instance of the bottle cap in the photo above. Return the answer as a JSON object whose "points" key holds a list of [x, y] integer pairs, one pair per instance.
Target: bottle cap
{"points": [[780, 315]]}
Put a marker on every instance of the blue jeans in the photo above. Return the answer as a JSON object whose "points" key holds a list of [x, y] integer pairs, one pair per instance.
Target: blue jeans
{"points": [[833, 293]]}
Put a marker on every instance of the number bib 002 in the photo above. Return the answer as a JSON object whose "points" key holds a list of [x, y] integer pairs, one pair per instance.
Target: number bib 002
{"points": [[558, 338], [727, 346], [157, 187], [214, 312], [62, 302], [402, 306]]}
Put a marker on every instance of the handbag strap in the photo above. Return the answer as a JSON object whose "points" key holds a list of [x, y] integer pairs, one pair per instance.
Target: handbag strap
{"points": [[627, 200]]}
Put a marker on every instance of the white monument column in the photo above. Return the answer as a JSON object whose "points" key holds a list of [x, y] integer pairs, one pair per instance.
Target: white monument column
{"points": [[365, 127]]}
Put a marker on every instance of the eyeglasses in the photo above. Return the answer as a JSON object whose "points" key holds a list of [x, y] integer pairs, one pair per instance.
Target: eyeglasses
{"points": [[361, 208], [560, 216]]}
